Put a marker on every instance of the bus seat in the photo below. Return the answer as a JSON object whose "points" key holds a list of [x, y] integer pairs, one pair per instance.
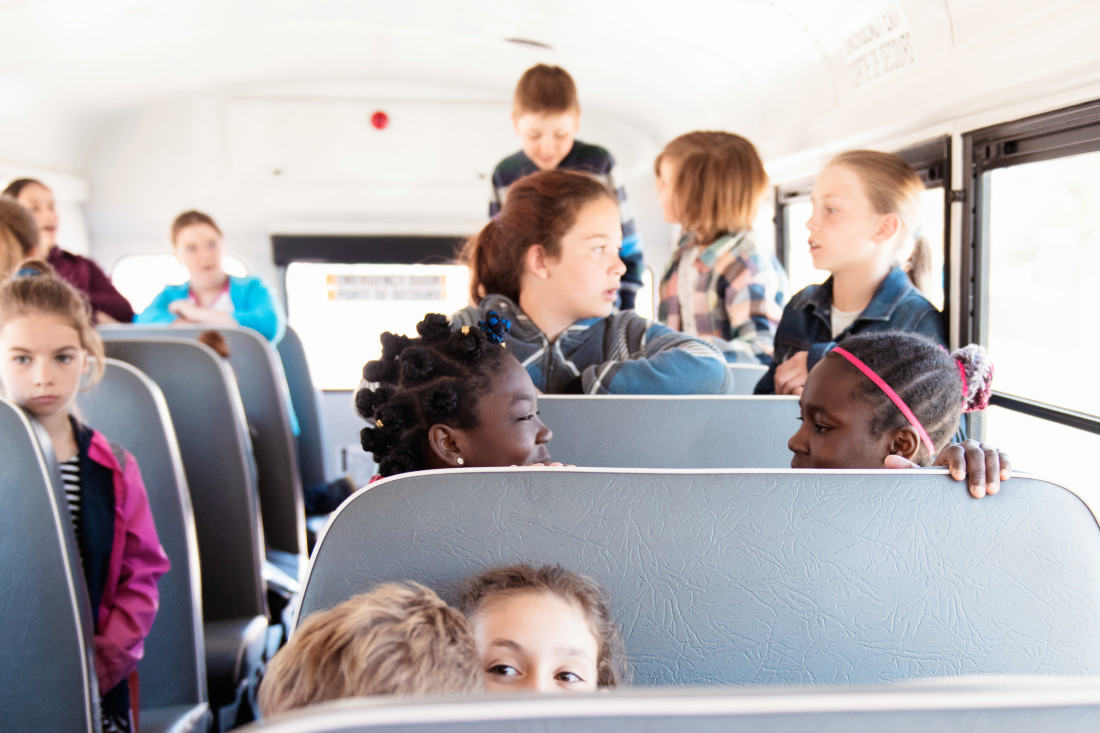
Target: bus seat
{"points": [[209, 423], [626, 431], [128, 407], [745, 377], [44, 611], [303, 395], [1013, 705], [263, 390], [738, 577]]}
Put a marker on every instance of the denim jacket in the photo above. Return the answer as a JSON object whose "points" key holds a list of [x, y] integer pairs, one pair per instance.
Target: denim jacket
{"points": [[807, 321]]}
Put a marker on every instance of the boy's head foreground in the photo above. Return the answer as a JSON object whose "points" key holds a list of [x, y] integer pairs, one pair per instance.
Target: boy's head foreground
{"points": [[855, 401], [711, 183], [449, 398], [395, 640], [546, 114], [543, 630]]}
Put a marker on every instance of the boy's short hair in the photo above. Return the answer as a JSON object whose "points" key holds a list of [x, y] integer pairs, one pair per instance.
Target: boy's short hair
{"points": [[545, 89], [396, 640]]}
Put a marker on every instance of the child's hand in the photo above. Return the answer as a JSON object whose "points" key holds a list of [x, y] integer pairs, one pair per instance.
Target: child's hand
{"points": [[981, 466], [791, 374], [183, 308]]}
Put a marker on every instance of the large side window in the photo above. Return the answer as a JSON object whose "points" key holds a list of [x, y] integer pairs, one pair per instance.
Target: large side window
{"points": [[1031, 278], [930, 159]]}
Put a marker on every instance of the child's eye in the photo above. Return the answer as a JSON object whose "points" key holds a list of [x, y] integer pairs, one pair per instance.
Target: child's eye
{"points": [[21, 359], [64, 358], [821, 429], [571, 677], [503, 670]]}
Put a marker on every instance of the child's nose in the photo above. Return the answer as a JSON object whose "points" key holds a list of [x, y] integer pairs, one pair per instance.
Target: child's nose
{"points": [[797, 442], [544, 434], [617, 266]]}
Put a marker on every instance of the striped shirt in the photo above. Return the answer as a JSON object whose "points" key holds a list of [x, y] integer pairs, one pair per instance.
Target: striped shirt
{"points": [[70, 475]]}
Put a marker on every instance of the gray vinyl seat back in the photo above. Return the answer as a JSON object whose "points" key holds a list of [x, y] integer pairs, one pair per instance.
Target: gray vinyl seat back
{"points": [[745, 377], [626, 431], [307, 405], [758, 578], [263, 393], [129, 408], [47, 680], [1014, 705], [209, 423]]}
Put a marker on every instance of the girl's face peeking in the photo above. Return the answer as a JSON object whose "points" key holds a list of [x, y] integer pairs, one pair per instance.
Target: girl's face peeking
{"points": [[40, 202], [533, 641], [836, 421], [42, 363], [509, 431], [199, 248]]}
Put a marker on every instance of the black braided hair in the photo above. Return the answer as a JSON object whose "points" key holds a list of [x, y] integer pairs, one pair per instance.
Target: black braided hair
{"points": [[438, 377], [926, 378]]}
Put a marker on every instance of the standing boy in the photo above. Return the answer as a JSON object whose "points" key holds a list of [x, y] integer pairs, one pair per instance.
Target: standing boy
{"points": [[546, 115]]}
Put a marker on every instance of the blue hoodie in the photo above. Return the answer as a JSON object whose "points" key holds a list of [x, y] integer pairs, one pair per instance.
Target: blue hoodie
{"points": [[620, 354]]}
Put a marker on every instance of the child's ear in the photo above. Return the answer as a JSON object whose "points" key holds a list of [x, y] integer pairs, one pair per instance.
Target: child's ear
{"points": [[905, 442], [888, 228], [443, 440], [535, 261]]}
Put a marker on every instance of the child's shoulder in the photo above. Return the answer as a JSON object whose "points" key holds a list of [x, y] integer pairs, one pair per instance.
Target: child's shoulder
{"points": [[511, 169], [588, 158]]}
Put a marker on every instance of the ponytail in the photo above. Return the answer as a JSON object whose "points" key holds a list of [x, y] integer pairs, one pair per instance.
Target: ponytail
{"points": [[494, 266], [919, 264], [976, 372]]}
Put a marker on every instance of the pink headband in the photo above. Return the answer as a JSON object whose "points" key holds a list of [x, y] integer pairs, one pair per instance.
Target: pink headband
{"points": [[888, 390]]}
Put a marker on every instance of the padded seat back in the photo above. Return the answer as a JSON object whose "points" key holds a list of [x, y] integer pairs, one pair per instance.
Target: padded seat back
{"points": [[741, 578], [623, 431], [47, 680], [307, 405], [263, 393], [1011, 706], [129, 408], [210, 428], [745, 377]]}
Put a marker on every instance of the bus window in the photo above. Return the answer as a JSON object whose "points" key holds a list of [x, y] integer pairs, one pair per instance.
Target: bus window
{"points": [[141, 277], [339, 310], [1044, 271]]}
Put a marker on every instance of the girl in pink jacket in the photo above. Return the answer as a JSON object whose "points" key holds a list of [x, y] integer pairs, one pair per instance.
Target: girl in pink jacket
{"points": [[45, 341]]}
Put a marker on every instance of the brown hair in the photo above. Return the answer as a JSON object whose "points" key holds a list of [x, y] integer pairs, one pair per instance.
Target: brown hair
{"points": [[893, 187], [18, 234], [719, 185], [540, 209], [395, 640], [544, 89], [36, 289], [190, 218], [580, 590], [16, 187]]}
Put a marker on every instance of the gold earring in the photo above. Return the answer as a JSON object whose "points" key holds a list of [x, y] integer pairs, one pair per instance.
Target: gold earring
{"points": [[459, 461]]}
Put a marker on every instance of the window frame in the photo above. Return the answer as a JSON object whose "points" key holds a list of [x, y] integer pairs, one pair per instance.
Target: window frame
{"points": [[1051, 135]]}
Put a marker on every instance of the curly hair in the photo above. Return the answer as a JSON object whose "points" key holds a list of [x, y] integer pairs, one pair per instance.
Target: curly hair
{"points": [[927, 378], [439, 377], [580, 590]]}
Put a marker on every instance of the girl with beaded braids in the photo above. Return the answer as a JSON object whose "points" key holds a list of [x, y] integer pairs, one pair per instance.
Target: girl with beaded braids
{"points": [[450, 398], [550, 263], [889, 398]]}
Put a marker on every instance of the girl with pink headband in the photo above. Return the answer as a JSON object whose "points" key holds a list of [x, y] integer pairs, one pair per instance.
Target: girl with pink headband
{"points": [[892, 394]]}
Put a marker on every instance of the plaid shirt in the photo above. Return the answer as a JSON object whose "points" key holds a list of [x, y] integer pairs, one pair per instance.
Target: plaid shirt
{"points": [[598, 163], [734, 295]]}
